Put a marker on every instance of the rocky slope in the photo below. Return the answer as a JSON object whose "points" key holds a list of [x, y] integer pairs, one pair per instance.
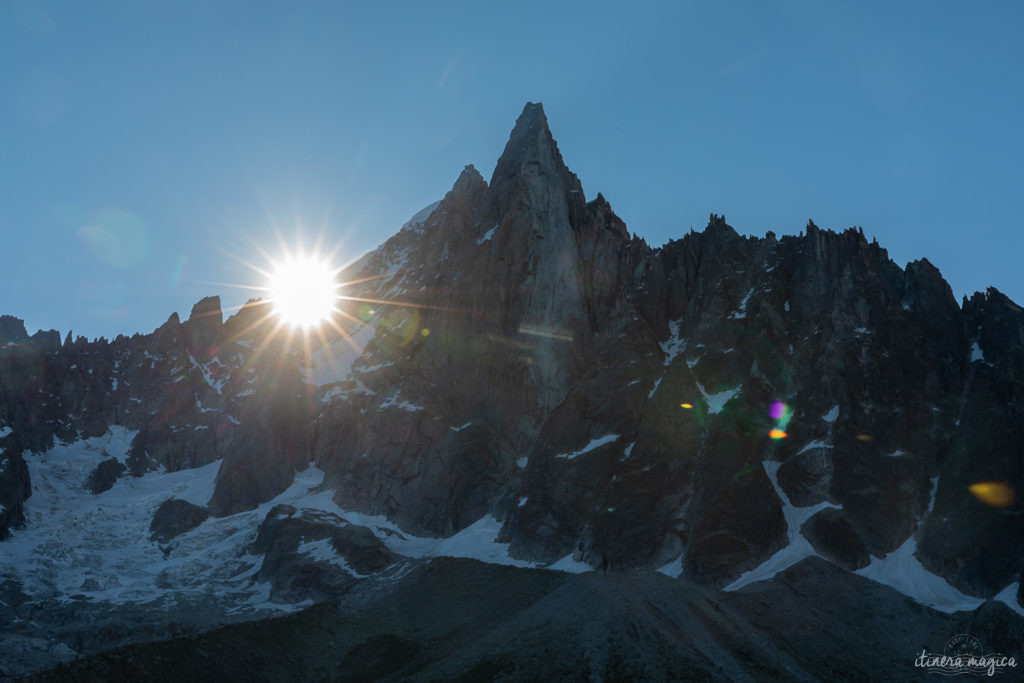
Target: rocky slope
{"points": [[446, 621], [517, 368]]}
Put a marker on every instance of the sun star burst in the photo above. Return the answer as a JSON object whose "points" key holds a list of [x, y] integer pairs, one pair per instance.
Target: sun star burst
{"points": [[303, 290]]}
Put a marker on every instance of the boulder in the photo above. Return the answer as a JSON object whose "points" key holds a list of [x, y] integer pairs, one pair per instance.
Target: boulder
{"points": [[311, 554], [175, 517], [102, 478]]}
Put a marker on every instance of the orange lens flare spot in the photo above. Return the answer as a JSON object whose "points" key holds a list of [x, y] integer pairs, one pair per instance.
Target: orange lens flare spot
{"points": [[993, 493], [688, 406], [864, 437], [777, 434]]}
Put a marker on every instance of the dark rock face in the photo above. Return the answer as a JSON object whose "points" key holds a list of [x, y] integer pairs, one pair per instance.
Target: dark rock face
{"points": [[522, 356], [295, 575], [967, 539], [203, 329], [15, 485], [551, 330], [174, 517], [835, 538]]}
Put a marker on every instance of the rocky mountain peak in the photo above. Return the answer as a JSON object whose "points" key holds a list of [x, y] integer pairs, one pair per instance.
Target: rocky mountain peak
{"points": [[250, 318], [469, 181], [601, 209], [169, 334], [466, 195], [717, 227], [12, 330], [530, 134], [531, 165], [206, 310], [204, 325], [49, 340]]}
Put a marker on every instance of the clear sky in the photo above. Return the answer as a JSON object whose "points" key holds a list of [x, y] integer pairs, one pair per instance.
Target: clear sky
{"points": [[144, 145]]}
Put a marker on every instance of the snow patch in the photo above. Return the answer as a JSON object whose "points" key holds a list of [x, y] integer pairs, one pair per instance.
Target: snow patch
{"points": [[1008, 596], [831, 415], [420, 217], [627, 451], [902, 571], [741, 312], [76, 542], [477, 541], [812, 445], [935, 490], [976, 352], [207, 373], [373, 368], [674, 345], [595, 443], [717, 401], [404, 405], [4, 431], [487, 236], [521, 462], [323, 551], [798, 547], [569, 565], [673, 568]]}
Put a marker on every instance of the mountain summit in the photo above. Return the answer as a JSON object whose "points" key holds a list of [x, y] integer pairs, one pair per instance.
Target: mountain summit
{"points": [[523, 383]]}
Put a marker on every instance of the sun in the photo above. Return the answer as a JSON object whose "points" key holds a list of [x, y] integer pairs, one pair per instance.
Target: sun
{"points": [[303, 290]]}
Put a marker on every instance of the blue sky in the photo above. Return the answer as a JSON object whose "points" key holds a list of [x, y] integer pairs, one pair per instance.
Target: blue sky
{"points": [[146, 145]]}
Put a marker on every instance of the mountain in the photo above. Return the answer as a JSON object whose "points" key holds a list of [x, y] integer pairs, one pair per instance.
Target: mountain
{"points": [[721, 423]]}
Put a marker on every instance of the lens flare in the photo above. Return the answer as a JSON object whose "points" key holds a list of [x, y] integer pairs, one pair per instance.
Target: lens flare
{"points": [[777, 434], [116, 237], [864, 438], [993, 493], [688, 406], [781, 413]]}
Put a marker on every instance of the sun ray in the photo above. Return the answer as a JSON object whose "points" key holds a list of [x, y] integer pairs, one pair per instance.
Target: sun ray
{"points": [[361, 280], [230, 284], [410, 304], [247, 264], [345, 335], [262, 347]]}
